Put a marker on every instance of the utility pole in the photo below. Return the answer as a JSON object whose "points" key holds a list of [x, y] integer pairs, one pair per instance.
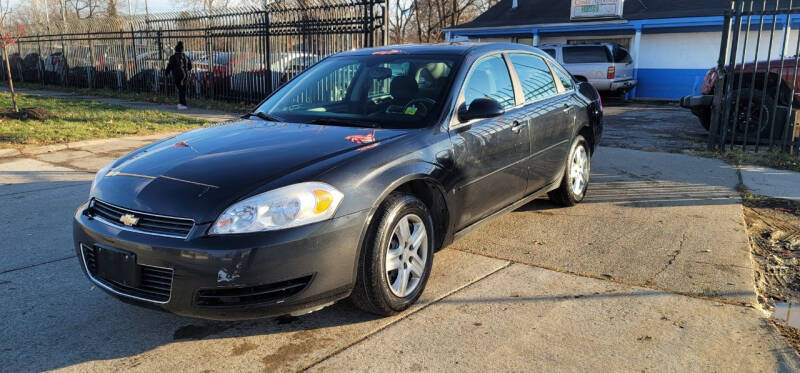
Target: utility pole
{"points": [[130, 7], [146, 9], [64, 11]]}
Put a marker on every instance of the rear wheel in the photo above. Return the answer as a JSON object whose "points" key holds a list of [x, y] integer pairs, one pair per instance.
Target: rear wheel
{"points": [[752, 114], [576, 175], [396, 260]]}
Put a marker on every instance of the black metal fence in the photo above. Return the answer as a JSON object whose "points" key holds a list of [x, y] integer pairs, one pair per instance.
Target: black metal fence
{"points": [[239, 54], [756, 90]]}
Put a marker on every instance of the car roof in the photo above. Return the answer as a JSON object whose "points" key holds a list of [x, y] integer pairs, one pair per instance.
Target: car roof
{"points": [[454, 48], [580, 45]]}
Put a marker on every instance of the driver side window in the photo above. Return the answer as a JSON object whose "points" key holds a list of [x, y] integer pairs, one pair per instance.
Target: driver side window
{"points": [[490, 79]]}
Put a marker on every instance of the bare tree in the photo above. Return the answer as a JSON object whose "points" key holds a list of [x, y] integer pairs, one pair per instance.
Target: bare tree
{"points": [[8, 37], [429, 17], [208, 4]]}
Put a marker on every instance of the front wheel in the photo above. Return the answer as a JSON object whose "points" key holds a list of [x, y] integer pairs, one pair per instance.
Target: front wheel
{"points": [[576, 175], [396, 259]]}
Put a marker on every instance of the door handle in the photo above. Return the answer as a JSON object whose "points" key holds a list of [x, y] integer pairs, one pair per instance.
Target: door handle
{"points": [[516, 127]]}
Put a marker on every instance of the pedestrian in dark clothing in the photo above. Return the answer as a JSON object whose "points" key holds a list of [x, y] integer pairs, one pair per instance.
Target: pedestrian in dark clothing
{"points": [[179, 66]]}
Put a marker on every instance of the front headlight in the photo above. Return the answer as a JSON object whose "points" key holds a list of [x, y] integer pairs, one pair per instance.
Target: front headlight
{"points": [[286, 207]]}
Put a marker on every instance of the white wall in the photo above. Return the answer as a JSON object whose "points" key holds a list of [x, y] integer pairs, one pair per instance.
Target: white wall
{"points": [[700, 50], [764, 45]]}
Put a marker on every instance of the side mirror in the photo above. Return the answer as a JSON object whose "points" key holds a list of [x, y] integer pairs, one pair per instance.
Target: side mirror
{"points": [[587, 90], [480, 108]]}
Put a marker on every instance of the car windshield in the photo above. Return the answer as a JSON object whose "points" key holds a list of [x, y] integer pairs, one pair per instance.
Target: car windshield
{"points": [[384, 91]]}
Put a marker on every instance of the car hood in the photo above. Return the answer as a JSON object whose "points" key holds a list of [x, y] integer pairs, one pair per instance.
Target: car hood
{"points": [[198, 173]]}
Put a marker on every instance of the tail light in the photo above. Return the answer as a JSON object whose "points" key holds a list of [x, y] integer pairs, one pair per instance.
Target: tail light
{"points": [[611, 72]]}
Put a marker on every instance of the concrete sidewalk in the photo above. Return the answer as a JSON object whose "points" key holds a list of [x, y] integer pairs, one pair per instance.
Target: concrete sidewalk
{"points": [[771, 182], [651, 272]]}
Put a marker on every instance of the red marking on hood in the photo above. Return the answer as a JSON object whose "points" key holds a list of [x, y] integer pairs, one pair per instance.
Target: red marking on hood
{"points": [[181, 144], [362, 139]]}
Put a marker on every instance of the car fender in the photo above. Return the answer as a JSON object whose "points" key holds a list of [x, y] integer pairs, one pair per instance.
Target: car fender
{"points": [[399, 175]]}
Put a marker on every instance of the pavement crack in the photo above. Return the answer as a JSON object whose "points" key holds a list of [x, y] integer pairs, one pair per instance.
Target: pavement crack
{"points": [[609, 278], [81, 184], [404, 316], [35, 265], [671, 260]]}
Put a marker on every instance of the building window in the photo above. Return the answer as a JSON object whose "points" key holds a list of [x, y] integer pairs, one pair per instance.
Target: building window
{"points": [[526, 41]]}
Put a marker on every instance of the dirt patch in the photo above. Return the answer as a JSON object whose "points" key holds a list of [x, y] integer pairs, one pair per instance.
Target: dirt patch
{"points": [[30, 113], [773, 226]]}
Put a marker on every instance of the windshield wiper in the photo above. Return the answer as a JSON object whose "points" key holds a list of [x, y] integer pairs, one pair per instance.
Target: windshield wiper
{"points": [[343, 122], [263, 116]]}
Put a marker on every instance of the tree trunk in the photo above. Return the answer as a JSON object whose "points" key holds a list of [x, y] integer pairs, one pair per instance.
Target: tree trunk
{"points": [[10, 80]]}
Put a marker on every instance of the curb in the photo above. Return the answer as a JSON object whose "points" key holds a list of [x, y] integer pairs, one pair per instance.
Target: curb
{"points": [[9, 152]]}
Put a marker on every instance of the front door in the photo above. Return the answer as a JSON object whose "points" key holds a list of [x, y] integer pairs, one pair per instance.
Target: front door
{"points": [[490, 153]]}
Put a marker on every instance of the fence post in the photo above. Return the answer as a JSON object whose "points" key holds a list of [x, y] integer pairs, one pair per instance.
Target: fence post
{"points": [[730, 72], [19, 64], [210, 65], [64, 56], [267, 50], [90, 71], [135, 57], [124, 82], [718, 86], [40, 62]]}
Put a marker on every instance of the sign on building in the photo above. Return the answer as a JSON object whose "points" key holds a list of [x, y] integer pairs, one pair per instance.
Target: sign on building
{"points": [[591, 9]]}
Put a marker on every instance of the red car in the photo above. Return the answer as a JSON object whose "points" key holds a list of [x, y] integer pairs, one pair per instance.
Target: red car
{"points": [[754, 93]]}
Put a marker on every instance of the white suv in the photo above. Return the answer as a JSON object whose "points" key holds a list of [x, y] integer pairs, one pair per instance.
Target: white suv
{"points": [[608, 67]]}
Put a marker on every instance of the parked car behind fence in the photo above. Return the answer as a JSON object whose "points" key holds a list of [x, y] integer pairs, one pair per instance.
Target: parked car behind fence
{"points": [[608, 67]]}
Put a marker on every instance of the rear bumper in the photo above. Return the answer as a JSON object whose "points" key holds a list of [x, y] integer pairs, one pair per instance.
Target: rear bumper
{"points": [[623, 85], [215, 277]]}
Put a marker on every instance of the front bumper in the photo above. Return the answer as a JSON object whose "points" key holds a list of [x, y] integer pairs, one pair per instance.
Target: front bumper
{"points": [[323, 256], [697, 102]]}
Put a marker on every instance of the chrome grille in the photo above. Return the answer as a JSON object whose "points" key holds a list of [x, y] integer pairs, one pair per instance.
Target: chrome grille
{"points": [[147, 223]]}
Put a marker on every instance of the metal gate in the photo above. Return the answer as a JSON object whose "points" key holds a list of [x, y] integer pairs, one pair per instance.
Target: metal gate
{"points": [[239, 54], [756, 94]]}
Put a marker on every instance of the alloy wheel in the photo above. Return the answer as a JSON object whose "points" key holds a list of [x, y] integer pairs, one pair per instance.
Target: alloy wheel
{"points": [[579, 172], [406, 255]]}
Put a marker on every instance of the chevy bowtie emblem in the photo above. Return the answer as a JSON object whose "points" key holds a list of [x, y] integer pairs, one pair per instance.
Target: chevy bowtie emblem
{"points": [[128, 220]]}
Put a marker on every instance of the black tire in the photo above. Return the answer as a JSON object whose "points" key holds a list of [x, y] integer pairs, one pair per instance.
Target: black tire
{"points": [[565, 195], [758, 108], [372, 292]]}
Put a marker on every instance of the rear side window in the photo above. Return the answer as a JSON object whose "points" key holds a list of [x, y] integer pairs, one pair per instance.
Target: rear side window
{"points": [[586, 54], [551, 52], [564, 77], [621, 55], [490, 79], [534, 76]]}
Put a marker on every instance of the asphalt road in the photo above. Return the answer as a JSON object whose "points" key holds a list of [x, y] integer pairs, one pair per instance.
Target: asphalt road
{"points": [[651, 272]]}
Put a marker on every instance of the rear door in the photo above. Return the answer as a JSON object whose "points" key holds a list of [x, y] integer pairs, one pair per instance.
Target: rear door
{"points": [[490, 153], [589, 61], [549, 112]]}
